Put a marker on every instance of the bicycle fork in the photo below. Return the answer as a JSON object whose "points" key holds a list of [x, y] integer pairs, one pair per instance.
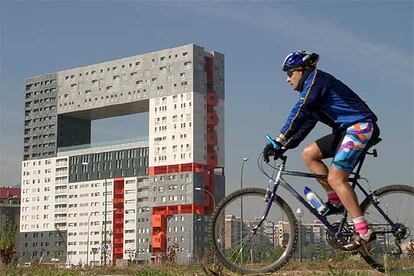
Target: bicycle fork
{"points": [[269, 196]]}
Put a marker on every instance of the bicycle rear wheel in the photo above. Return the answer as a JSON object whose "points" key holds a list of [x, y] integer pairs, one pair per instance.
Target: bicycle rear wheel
{"points": [[238, 246], [391, 250]]}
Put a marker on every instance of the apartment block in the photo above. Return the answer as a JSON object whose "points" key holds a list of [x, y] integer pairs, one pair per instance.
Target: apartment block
{"points": [[96, 203]]}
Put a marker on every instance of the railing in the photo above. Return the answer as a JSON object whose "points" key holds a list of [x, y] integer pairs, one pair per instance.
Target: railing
{"points": [[61, 200], [61, 191], [104, 144]]}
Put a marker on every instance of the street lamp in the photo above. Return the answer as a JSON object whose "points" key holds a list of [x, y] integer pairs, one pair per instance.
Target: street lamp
{"points": [[244, 160], [209, 193], [299, 213]]}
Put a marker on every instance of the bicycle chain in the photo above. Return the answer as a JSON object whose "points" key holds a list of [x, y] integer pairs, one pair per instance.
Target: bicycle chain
{"points": [[336, 242]]}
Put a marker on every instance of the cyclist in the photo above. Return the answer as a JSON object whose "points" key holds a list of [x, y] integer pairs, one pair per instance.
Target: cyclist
{"points": [[326, 99]]}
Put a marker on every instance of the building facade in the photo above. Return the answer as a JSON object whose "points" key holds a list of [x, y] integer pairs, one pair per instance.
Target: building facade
{"points": [[93, 204]]}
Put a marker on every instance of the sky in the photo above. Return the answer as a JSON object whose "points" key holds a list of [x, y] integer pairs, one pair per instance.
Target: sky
{"points": [[366, 44]]}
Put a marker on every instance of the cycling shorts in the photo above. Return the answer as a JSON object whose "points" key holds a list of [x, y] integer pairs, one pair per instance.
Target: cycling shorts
{"points": [[347, 146]]}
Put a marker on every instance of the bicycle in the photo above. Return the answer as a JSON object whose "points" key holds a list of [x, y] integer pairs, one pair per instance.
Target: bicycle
{"points": [[243, 243]]}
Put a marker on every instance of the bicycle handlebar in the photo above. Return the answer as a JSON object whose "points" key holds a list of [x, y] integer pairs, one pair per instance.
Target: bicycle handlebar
{"points": [[270, 140]]}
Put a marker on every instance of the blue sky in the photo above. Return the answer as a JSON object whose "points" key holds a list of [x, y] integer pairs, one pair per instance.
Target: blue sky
{"points": [[366, 44]]}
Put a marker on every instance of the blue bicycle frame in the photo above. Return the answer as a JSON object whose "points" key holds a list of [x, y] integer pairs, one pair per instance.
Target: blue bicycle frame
{"points": [[336, 231]]}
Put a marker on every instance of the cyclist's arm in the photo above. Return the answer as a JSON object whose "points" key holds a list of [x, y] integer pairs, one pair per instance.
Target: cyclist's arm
{"points": [[295, 140], [309, 100]]}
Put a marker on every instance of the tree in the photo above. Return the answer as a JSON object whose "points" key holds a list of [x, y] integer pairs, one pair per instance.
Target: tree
{"points": [[172, 253], [8, 243]]}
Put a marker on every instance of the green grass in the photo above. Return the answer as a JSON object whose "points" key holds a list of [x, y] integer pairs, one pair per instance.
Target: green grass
{"points": [[150, 270], [352, 266]]}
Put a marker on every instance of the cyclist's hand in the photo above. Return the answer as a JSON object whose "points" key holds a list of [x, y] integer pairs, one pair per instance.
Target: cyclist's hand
{"points": [[273, 149]]}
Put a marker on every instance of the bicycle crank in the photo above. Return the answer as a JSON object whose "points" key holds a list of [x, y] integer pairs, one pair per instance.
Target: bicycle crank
{"points": [[338, 243]]}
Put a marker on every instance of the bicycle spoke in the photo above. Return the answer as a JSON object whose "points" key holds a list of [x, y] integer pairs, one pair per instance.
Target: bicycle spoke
{"points": [[389, 251], [244, 250]]}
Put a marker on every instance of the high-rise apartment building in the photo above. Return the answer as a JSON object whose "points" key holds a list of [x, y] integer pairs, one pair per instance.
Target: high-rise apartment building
{"points": [[98, 203]]}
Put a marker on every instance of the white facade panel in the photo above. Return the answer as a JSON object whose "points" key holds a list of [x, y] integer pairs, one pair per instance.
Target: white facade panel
{"points": [[171, 120], [43, 190]]}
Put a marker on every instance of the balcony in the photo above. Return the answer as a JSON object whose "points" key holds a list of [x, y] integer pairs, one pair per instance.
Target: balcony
{"points": [[118, 241], [212, 99], [60, 219], [61, 200], [159, 241], [118, 250], [61, 191], [212, 139], [118, 201], [118, 232], [212, 119], [158, 221]]}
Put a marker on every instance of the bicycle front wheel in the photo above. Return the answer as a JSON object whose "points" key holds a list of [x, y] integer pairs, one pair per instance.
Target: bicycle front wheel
{"points": [[394, 246], [243, 247]]}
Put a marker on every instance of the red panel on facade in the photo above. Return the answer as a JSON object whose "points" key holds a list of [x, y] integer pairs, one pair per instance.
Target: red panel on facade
{"points": [[212, 119], [118, 240], [118, 251], [118, 219], [211, 139], [118, 231], [159, 241], [158, 221], [173, 168], [188, 167], [212, 99]]}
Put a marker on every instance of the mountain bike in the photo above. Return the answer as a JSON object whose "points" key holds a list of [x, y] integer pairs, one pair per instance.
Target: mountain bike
{"points": [[254, 230]]}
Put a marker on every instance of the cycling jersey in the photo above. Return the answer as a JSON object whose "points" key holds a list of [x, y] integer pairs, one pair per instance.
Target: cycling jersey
{"points": [[326, 99]]}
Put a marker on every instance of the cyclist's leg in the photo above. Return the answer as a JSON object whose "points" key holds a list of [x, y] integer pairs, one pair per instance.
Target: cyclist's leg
{"points": [[312, 156], [346, 158], [338, 180]]}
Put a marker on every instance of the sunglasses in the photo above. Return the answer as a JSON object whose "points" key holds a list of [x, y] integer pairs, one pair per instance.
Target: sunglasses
{"points": [[290, 73]]}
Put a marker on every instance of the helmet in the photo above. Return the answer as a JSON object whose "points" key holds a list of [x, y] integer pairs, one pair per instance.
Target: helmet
{"points": [[300, 60]]}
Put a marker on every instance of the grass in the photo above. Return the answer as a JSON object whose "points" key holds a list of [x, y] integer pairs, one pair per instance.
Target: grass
{"points": [[353, 266]]}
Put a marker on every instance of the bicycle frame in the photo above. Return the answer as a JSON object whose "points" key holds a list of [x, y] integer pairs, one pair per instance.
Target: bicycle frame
{"points": [[333, 230]]}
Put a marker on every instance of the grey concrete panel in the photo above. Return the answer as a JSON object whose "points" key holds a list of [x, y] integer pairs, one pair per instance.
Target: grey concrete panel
{"points": [[112, 164], [45, 245], [40, 121]]}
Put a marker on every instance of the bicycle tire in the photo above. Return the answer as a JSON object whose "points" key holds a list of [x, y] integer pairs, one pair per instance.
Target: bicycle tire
{"points": [[380, 194], [291, 244]]}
